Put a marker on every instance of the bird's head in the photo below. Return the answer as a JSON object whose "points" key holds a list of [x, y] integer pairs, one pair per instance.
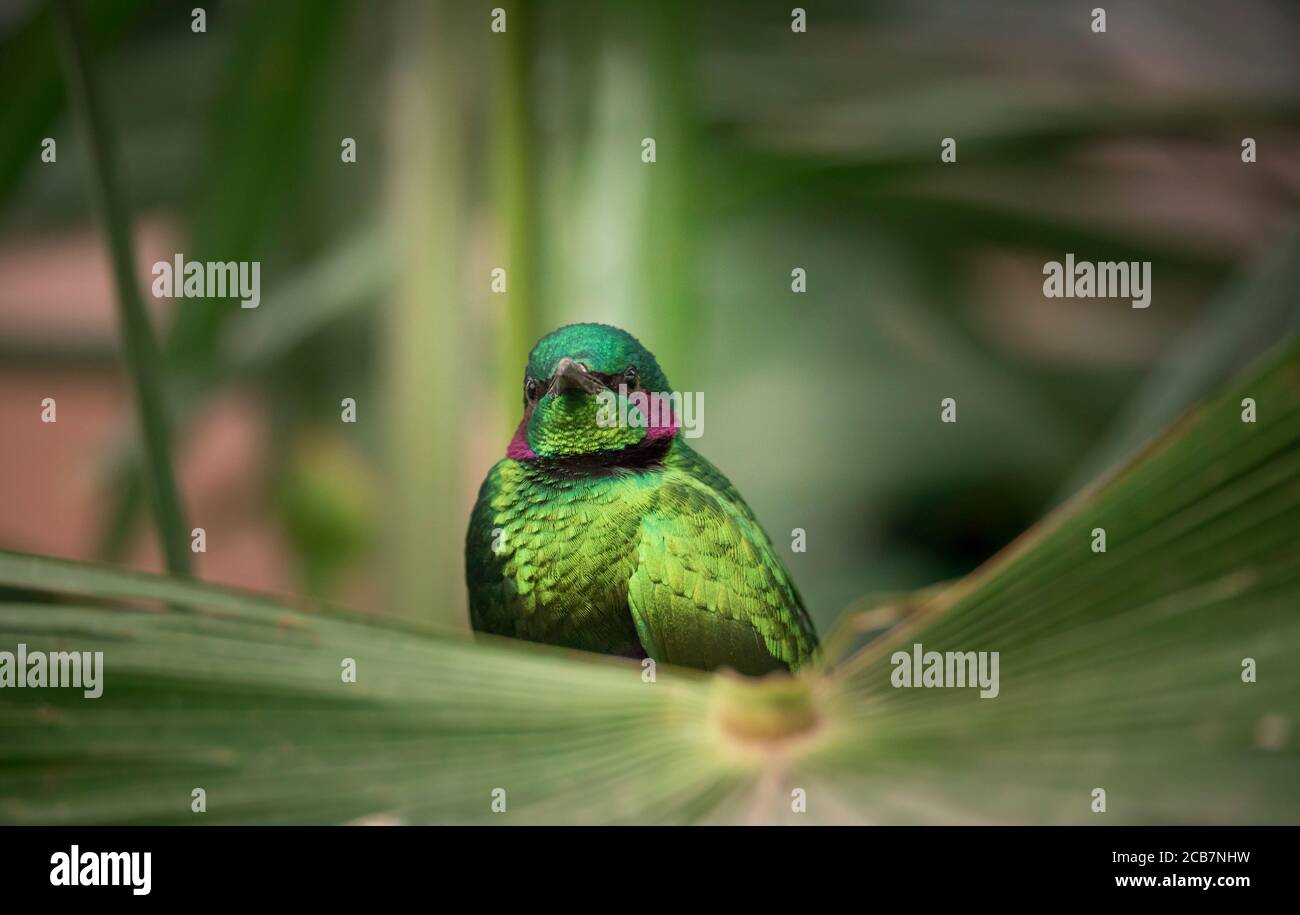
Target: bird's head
{"points": [[591, 389]]}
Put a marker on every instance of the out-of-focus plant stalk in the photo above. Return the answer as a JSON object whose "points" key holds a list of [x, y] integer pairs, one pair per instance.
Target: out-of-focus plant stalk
{"points": [[138, 342], [667, 287], [514, 190], [424, 384]]}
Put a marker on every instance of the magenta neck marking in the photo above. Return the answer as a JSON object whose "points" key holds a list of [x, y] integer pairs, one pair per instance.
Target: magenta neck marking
{"points": [[518, 450], [660, 407]]}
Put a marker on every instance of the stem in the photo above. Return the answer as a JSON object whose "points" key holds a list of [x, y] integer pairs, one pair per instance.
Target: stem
{"points": [[138, 343], [514, 196], [424, 356]]}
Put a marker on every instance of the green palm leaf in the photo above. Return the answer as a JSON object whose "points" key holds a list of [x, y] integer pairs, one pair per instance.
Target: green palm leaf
{"points": [[1119, 670]]}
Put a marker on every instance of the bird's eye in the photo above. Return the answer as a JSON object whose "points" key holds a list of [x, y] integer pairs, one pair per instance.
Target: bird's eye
{"points": [[630, 377], [530, 388]]}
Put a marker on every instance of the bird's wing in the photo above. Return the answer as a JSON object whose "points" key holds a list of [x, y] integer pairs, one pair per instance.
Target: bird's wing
{"points": [[708, 591], [492, 604]]}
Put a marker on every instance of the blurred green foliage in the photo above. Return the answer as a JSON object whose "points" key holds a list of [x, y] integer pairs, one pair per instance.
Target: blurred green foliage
{"points": [[774, 150]]}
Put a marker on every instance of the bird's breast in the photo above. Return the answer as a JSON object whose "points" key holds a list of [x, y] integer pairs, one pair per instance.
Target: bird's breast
{"points": [[564, 551]]}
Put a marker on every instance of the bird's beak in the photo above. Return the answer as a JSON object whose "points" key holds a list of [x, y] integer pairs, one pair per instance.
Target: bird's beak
{"points": [[573, 376]]}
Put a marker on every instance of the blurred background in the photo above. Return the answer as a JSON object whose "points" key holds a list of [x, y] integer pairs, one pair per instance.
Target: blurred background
{"points": [[522, 150]]}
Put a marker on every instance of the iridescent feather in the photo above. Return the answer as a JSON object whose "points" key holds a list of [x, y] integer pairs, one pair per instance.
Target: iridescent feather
{"points": [[637, 546]]}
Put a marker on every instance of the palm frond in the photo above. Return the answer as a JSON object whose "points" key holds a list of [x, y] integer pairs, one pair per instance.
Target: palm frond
{"points": [[1119, 670]]}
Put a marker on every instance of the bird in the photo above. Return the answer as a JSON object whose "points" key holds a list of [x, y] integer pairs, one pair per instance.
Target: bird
{"points": [[603, 530]]}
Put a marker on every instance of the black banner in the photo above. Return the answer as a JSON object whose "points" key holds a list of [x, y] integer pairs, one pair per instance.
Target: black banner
{"points": [[233, 864]]}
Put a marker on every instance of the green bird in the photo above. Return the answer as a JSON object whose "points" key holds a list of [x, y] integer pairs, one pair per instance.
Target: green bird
{"points": [[601, 529]]}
